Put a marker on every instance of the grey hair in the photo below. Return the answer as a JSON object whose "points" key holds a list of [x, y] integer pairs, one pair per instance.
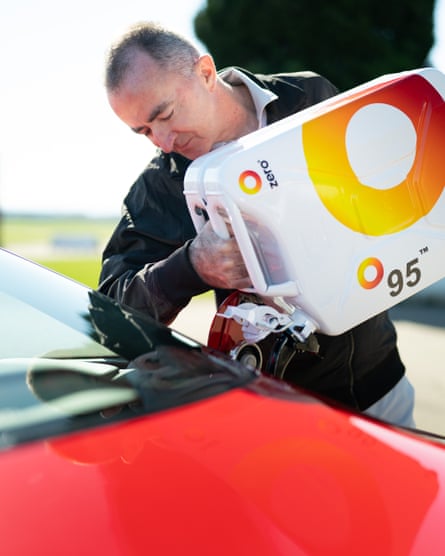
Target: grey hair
{"points": [[172, 51]]}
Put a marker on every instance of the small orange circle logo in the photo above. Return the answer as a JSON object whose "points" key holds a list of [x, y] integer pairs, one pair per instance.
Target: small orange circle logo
{"points": [[250, 182], [373, 265]]}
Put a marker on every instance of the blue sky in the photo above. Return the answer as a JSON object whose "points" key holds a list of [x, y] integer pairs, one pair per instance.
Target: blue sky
{"points": [[61, 147]]}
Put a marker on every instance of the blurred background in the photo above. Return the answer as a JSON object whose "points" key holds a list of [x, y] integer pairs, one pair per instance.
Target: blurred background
{"points": [[66, 161], [65, 155]]}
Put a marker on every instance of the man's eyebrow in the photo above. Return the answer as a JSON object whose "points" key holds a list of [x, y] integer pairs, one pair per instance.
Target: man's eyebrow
{"points": [[153, 115]]}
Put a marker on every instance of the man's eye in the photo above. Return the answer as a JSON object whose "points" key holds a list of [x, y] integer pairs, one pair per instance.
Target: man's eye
{"points": [[165, 118]]}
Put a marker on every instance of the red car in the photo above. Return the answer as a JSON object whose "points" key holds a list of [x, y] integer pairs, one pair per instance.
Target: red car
{"points": [[120, 436]]}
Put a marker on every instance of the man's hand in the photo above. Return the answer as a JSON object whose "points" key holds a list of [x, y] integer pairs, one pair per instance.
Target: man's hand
{"points": [[218, 261]]}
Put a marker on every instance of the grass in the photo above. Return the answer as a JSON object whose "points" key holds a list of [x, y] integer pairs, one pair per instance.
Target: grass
{"points": [[42, 229], [33, 237], [85, 270]]}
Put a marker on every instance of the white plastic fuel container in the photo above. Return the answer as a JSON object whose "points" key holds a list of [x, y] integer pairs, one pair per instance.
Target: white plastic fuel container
{"points": [[338, 210]]}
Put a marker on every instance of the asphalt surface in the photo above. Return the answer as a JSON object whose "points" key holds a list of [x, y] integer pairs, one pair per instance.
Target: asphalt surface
{"points": [[421, 338], [420, 325]]}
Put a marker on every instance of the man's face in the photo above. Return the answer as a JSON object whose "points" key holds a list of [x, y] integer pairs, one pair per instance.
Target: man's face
{"points": [[175, 112]]}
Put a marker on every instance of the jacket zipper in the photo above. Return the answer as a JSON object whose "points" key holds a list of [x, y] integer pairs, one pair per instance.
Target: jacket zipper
{"points": [[351, 370]]}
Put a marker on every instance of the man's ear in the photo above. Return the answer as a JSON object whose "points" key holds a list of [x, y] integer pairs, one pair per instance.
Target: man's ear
{"points": [[207, 70]]}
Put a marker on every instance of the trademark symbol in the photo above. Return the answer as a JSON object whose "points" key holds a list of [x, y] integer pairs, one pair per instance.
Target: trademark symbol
{"points": [[423, 250]]}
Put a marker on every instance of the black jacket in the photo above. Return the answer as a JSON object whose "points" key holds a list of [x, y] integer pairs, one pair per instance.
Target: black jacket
{"points": [[146, 266]]}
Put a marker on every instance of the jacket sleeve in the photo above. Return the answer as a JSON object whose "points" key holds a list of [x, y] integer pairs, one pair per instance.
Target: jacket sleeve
{"points": [[145, 264]]}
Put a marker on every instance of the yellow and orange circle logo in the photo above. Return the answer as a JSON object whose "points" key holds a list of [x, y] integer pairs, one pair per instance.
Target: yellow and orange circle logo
{"points": [[372, 266], [412, 190], [249, 182]]}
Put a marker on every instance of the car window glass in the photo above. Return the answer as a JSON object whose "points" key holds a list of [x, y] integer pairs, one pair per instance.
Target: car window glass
{"points": [[27, 332]]}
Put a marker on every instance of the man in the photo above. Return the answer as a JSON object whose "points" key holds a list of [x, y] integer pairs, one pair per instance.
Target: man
{"points": [[161, 87]]}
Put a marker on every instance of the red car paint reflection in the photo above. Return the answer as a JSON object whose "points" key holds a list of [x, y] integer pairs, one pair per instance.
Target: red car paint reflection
{"points": [[241, 473], [196, 455]]}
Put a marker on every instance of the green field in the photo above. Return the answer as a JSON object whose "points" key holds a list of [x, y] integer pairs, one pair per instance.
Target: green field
{"points": [[38, 238], [33, 237]]}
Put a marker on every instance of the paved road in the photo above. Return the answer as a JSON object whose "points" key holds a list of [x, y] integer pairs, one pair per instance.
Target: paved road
{"points": [[421, 330]]}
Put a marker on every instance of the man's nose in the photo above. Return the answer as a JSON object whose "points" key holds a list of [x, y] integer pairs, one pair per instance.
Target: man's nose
{"points": [[164, 139]]}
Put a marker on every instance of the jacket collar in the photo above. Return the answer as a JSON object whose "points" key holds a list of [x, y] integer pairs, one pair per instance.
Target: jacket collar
{"points": [[290, 97], [261, 96]]}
